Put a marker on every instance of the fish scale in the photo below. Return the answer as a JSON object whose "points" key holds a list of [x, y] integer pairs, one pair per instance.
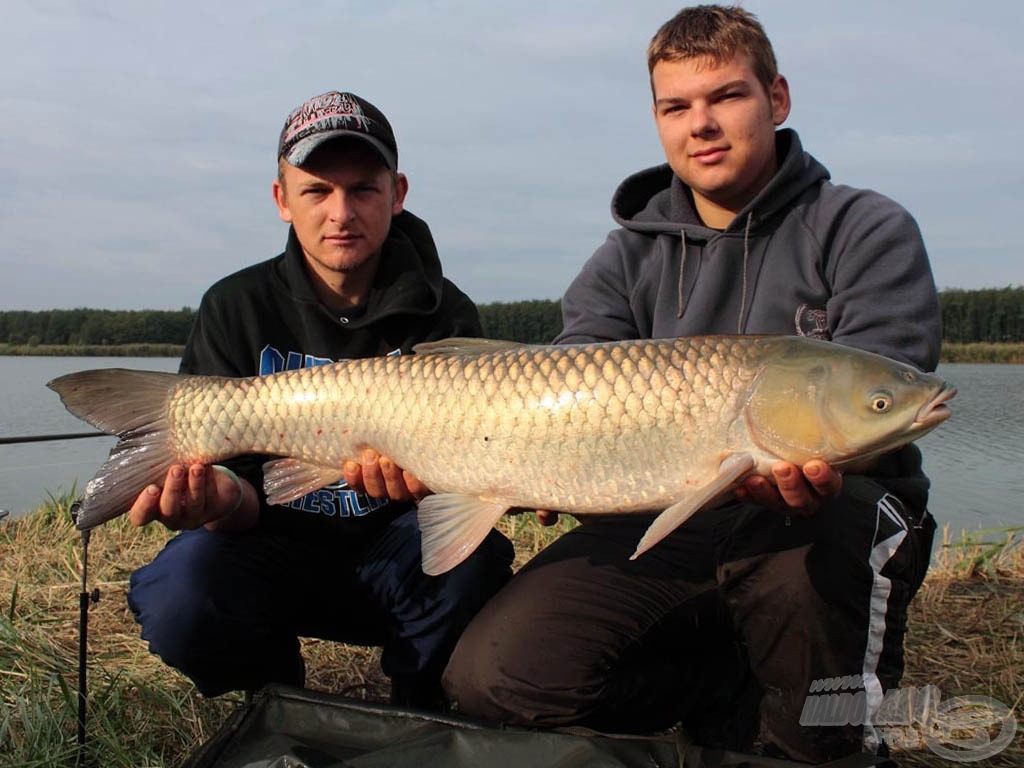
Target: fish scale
{"points": [[620, 427]]}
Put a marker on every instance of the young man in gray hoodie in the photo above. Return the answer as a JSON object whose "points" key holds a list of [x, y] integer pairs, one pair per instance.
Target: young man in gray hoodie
{"points": [[729, 622]]}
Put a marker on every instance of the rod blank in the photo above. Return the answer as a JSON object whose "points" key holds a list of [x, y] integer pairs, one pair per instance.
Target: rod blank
{"points": [[44, 438]]}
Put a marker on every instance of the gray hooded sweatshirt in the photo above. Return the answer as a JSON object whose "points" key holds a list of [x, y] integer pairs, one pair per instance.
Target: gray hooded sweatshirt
{"points": [[805, 257]]}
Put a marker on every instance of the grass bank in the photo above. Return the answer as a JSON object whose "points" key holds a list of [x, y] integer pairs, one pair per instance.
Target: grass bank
{"points": [[966, 632]]}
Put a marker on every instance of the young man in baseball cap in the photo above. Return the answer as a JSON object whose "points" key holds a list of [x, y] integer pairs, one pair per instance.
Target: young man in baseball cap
{"points": [[228, 598]]}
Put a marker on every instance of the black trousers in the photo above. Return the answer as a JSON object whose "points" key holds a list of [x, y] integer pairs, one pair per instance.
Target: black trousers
{"points": [[740, 610]]}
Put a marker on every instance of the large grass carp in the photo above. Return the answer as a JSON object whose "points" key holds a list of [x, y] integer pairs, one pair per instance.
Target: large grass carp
{"points": [[632, 426]]}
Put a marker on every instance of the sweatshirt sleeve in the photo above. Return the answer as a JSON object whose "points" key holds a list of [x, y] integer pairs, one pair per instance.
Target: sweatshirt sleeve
{"points": [[596, 306], [883, 292]]}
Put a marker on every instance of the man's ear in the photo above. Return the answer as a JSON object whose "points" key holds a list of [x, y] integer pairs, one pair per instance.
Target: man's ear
{"points": [[779, 96], [401, 190], [281, 201]]}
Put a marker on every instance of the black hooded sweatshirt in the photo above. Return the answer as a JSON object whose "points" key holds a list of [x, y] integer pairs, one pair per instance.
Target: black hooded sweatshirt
{"points": [[267, 318]]}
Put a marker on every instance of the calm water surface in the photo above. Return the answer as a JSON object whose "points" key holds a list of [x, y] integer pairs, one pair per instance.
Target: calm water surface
{"points": [[974, 459]]}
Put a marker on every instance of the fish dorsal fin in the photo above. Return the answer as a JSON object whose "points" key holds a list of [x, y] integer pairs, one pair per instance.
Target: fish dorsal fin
{"points": [[458, 345], [729, 474], [285, 480], [452, 526]]}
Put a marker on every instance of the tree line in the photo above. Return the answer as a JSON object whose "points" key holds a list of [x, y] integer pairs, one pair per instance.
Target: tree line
{"points": [[991, 315], [531, 322], [95, 327]]}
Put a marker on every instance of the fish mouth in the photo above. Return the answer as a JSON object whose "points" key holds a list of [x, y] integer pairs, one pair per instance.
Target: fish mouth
{"points": [[935, 411]]}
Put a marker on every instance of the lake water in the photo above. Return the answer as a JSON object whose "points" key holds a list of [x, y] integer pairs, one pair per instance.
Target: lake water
{"points": [[974, 459]]}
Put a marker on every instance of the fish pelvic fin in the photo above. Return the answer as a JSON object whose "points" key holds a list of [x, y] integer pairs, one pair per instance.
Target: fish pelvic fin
{"points": [[132, 405], [730, 472], [452, 526], [287, 479]]}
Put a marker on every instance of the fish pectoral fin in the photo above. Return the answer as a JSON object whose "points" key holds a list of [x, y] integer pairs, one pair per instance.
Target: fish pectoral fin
{"points": [[729, 473], [286, 479], [452, 526], [457, 345]]}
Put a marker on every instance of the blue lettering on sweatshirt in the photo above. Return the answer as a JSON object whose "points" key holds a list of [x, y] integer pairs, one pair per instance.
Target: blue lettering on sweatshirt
{"points": [[273, 361], [338, 501]]}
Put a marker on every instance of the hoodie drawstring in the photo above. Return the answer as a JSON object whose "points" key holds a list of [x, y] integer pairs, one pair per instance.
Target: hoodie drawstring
{"points": [[746, 261], [682, 271], [746, 265]]}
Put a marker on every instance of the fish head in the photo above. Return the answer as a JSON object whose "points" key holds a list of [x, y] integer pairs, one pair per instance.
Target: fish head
{"points": [[823, 400]]}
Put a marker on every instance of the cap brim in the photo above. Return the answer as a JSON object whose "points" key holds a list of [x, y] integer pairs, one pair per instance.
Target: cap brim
{"points": [[303, 148]]}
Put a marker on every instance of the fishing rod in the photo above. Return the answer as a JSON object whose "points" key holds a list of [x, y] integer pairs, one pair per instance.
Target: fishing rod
{"points": [[44, 438]]}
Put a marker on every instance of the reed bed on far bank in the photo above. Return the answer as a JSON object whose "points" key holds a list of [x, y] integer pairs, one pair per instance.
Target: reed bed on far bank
{"points": [[981, 352], [966, 635], [92, 350]]}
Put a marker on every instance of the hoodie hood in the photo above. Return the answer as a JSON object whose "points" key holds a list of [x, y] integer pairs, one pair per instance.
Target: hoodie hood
{"points": [[409, 277], [656, 201]]}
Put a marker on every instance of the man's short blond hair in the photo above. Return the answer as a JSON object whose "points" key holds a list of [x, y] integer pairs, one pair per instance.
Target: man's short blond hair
{"points": [[716, 33]]}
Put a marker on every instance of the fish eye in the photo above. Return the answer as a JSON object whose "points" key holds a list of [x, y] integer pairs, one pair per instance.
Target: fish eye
{"points": [[881, 401]]}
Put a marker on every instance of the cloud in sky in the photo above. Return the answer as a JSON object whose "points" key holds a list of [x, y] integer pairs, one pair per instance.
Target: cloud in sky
{"points": [[139, 138]]}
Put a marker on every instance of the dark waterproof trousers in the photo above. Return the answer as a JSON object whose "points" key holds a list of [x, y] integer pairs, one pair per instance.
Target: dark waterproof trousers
{"points": [[738, 609], [227, 609]]}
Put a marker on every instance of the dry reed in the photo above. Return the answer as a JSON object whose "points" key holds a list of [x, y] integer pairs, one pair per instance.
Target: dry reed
{"points": [[965, 636]]}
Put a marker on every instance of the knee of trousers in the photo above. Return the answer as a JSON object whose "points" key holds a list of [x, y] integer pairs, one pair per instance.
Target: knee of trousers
{"points": [[394, 575], [218, 651], [474, 581], [174, 627], [476, 679], [501, 673], [174, 600]]}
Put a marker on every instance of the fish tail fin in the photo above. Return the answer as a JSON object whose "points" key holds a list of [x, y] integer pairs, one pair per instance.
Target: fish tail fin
{"points": [[133, 406]]}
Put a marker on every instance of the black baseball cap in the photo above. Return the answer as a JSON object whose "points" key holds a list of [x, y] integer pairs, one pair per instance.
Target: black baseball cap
{"points": [[332, 115]]}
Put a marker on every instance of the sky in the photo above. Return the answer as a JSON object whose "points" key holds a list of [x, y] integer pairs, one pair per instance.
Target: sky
{"points": [[139, 139]]}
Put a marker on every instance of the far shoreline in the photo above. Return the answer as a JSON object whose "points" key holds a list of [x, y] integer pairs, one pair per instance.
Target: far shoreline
{"points": [[91, 350], [976, 352]]}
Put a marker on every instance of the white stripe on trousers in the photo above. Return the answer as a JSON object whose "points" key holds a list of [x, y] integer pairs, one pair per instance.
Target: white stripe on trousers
{"points": [[881, 553]]}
